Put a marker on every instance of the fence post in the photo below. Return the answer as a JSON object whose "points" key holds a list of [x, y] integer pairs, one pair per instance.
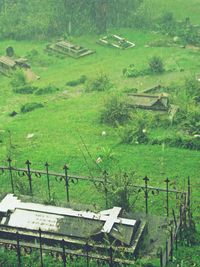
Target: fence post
{"points": [[167, 199], [66, 181], [63, 253], [18, 249], [180, 222], [48, 182], [28, 163], [176, 240], [105, 174], [161, 258], [146, 179], [11, 175], [40, 241], [87, 254], [171, 239], [189, 202], [166, 252], [174, 215], [111, 257]]}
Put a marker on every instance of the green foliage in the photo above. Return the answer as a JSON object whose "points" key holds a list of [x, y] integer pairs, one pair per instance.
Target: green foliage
{"points": [[132, 72], [178, 141], [120, 189], [192, 121], [66, 17], [79, 81], [192, 87], [167, 23], [30, 107], [99, 83], [47, 90], [18, 78], [135, 134], [188, 33], [156, 65], [27, 89], [116, 111], [130, 90]]}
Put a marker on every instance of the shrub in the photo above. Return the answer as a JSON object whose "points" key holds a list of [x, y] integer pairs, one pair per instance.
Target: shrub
{"points": [[27, 89], [134, 134], [192, 122], [180, 142], [192, 87], [32, 54], [30, 107], [167, 23], [130, 90], [18, 78], [46, 90], [132, 72], [100, 83], [156, 65], [116, 112], [81, 80], [126, 135]]}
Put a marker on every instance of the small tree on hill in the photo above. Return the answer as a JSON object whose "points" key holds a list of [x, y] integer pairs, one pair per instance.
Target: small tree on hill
{"points": [[156, 65]]}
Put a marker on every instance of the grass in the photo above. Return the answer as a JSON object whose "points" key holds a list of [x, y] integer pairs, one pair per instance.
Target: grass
{"points": [[71, 114]]}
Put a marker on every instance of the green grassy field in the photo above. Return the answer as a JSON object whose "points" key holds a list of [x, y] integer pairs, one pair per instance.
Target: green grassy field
{"points": [[71, 114]]}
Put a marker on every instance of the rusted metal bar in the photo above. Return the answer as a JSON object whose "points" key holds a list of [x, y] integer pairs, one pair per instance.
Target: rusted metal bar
{"points": [[167, 196], [105, 174], [85, 178], [28, 163], [63, 254], [171, 244], [48, 182], [111, 257], [40, 241], [11, 175], [146, 179], [18, 250], [66, 181], [161, 258]]}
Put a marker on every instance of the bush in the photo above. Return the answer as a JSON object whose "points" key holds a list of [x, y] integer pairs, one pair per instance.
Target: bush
{"points": [[116, 112], [46, 90], [192, 122], [18, 78], [100, 83], [27, 89], [180, 142], [134, 134], [156, 65], [130, 90], [81, 80], [30, 107], [192, 87], [132, 72]]}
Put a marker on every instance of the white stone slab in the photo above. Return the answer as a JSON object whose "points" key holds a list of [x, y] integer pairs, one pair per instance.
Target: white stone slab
{"points": [[111, 220], [34, 220]]}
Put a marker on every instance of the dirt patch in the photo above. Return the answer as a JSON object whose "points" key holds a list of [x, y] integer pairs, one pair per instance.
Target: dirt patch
{"points": [[30, 75]]}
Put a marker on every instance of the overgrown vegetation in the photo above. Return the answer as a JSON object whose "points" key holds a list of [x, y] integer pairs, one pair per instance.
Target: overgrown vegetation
{"points": [[116, 111], [156, 66], [79, 81], [30, 107], [99, 83], [139, 140]]}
